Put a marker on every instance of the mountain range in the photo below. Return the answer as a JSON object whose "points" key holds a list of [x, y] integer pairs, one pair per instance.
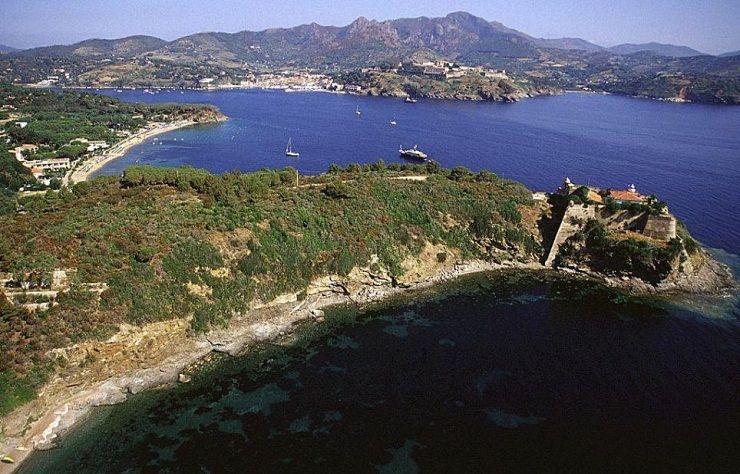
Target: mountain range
{"points": [[455, 35]]}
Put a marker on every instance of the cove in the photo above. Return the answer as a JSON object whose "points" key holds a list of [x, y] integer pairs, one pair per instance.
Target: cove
{"points": [[491, 372]]}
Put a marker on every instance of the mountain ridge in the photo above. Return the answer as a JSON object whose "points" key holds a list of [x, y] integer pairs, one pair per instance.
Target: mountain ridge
{"points": [[448, 33], [4, 49], [126, 46], [670, 50]]}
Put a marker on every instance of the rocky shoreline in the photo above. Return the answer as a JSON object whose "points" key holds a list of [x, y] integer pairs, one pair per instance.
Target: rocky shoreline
{"points": [[712, 278], [69, 397], [480, 96], [159, 354]]}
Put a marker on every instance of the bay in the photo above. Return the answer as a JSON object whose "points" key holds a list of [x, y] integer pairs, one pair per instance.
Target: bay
{"points": [[687, 154]]}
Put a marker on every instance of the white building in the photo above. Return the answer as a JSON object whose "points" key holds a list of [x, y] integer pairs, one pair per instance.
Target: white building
{"points": [[19, 150], [40, 167], [92, 145]]}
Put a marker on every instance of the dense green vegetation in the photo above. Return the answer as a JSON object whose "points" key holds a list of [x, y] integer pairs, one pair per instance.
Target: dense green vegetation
{"points": [[13, 174], [176, 242]]}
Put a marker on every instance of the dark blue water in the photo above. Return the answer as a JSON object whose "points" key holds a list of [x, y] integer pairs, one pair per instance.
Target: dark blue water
{"points": [[493, 377], [687, 154]]}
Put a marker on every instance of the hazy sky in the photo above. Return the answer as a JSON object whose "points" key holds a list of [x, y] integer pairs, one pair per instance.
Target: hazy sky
{"points": [[711, 26]]}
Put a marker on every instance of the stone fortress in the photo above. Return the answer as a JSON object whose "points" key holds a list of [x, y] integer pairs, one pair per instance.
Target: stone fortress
{"points": [[625, 212]]}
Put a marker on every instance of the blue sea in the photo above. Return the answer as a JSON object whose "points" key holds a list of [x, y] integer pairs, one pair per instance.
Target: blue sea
{"points": [[687, 154], [501, 372]]}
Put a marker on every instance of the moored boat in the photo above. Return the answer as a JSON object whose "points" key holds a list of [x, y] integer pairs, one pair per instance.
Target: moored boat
{"points": [[412, 153]]}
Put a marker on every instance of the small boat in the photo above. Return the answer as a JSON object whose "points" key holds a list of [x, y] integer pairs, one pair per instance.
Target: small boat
{"points": [[7, 460], [357, 110], [410, 100], [412, 153], [393, 122], [289, 149]]}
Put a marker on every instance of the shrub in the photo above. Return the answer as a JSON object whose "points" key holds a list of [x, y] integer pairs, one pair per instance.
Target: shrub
{"points": [[187, 257], [144, 254], [432, 167], [354, 168], [345, 262], [690, 245], [509, 211], [336, 190], [460, 173]]}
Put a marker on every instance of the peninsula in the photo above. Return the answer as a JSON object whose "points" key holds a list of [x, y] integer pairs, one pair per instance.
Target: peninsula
{"points": [[122, 283], [51, 139]]}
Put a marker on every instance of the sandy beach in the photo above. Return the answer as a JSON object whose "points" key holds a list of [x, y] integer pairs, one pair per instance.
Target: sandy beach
{"points": [[86, 169]]}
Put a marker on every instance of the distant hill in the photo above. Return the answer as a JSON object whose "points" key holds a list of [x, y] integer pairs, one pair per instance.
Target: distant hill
{"points": [[569, 43], [670, 50], [126, 47], [7, 49], [727, 55]]}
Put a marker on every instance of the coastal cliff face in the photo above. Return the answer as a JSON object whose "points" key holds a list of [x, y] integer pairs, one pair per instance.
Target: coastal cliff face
{"points": [[640, 246], [208, 114], [192, 264]]}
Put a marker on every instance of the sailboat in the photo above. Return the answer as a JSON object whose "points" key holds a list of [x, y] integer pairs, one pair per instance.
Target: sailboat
{"points": [[357, 110], [393, 122], [289, 149]]}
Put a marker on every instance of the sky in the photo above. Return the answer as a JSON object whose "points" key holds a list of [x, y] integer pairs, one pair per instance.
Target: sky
{"points": [[711, 26]]}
